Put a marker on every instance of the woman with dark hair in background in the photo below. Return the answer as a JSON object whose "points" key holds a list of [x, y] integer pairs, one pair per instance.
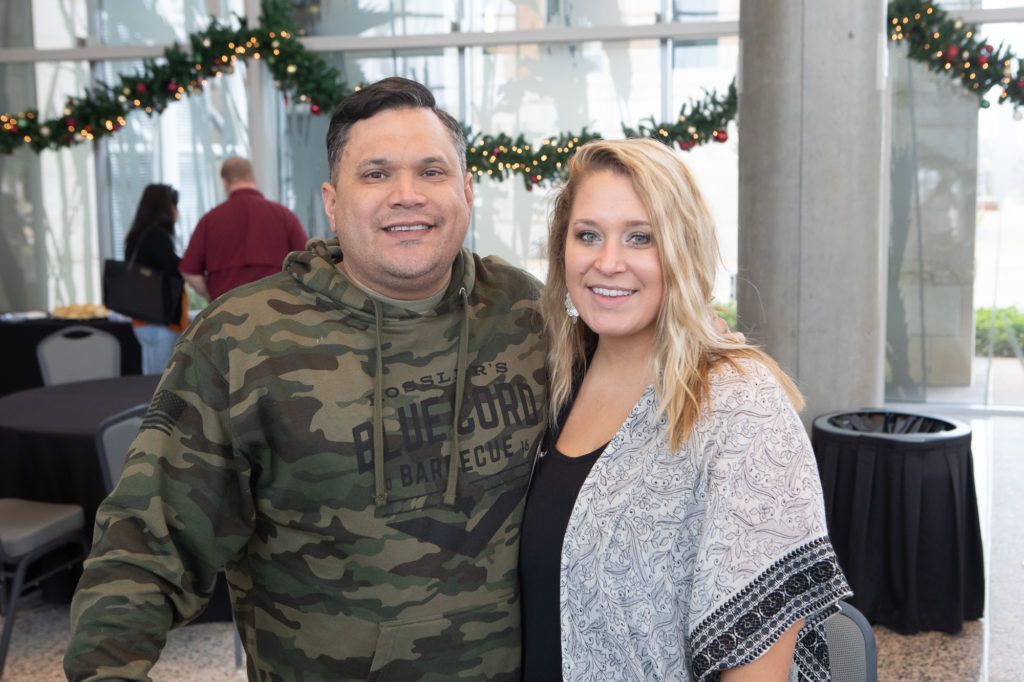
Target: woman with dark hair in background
{"points": [[151, 241], [674, 527]]}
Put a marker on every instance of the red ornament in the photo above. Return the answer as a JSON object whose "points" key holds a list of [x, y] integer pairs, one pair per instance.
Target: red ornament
{"points": [[70, 122], [952, 51], [140, 87], [217, 61], [172, 87], [982, 59], [685, 146], [315, 109], [989, 49]]}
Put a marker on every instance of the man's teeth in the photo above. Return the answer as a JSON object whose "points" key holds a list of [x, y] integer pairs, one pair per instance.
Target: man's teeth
{"points": [[405, 228], [610, 292]]}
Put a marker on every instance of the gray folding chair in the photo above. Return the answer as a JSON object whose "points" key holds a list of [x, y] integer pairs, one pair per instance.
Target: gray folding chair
{"points": [[78, 353], [852, 652], [29, 531], [114, 437]]}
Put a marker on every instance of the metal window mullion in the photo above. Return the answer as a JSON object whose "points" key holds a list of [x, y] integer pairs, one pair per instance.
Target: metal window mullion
{"points": [[558, 34], [665, 45], [673, 31], [101, 152]]}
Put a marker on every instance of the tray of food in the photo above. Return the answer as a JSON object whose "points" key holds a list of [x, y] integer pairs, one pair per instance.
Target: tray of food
{"points": [[80, 311]]}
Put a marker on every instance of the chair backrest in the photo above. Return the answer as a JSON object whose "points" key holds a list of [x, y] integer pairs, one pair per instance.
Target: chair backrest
{"points": [[852, 651], [114, 437], [78, 353]]}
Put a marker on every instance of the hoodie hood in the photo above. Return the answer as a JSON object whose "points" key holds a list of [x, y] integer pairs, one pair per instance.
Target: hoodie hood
{"points": [[317, 269]]}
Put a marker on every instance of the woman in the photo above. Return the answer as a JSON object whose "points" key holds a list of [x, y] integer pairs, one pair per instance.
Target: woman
{"points": [[674, 526], [151, 241]]}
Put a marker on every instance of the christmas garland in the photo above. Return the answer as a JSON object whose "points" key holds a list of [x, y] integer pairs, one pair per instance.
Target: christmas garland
{"points": [[943, 43], [948, 45]]}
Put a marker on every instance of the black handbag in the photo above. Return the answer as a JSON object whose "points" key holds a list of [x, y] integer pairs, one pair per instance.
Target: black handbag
{"points": [[142, 292]]}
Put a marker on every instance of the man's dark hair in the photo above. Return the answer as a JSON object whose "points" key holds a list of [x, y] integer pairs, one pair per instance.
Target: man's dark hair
{"points": [[389, 93]]}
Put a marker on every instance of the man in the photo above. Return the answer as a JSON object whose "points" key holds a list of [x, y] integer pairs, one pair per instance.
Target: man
{"points": [[352, 437], [241, 240]]}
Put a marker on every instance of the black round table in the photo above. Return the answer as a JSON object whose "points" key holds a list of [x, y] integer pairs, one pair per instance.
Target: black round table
{"points": [[47, 438], [48, 453], [48, 446], [903, 516]]}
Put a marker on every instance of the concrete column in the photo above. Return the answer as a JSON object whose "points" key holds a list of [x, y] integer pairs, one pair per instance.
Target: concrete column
{"points": [[812, 185]]}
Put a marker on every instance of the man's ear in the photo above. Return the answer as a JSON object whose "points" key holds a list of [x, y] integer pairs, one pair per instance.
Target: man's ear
{"points": [[469, 189], [330, 197]]}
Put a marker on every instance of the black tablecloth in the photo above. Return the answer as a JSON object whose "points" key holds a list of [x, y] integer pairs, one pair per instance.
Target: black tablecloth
{"points": [[48, 452], [47, 438], [19, 339], [903, 517]]}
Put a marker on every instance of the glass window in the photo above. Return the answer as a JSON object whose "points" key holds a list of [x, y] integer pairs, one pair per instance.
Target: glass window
{"points": [[183, 147], [374, 17], [16, 28], [598, 13], [700, 67], [185, 144], [46, 24], [539, 90], [706, 10], [542, 91], [48, 252], [956, 292], [999, 242], [160, 22], [419, 17], [489, 15], [951, 5]]}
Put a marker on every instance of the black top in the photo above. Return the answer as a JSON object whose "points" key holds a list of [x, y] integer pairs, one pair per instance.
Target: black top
{"points": [[155, 250], [556, 482]]}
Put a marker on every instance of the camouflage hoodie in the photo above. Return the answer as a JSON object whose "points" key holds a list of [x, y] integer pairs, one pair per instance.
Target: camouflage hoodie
{"points": [[349, 555]]}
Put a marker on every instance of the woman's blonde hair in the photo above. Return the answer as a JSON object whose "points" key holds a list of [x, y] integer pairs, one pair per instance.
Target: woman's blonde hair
{"points": [[687, 347]]}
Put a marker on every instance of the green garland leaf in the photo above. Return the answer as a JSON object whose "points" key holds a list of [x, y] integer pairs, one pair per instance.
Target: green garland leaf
{"points": [[948, 45], [945, 44]]}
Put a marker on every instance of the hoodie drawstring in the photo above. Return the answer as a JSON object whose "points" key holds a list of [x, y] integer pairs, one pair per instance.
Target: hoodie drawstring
{"points": [[460, 382], [380, 490], [462, 359]]}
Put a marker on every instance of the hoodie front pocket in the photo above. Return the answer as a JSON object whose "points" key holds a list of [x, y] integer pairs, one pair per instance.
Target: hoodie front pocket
{"points": [[481, 643]]}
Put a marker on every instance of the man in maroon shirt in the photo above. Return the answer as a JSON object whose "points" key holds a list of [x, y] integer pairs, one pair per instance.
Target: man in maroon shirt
{"points": [[241, 240]]}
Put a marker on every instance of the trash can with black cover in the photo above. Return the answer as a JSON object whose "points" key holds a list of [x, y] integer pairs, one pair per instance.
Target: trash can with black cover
{"points": [[903, 516]]}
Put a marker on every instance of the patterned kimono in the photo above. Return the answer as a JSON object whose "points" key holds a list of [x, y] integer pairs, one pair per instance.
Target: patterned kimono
{"points": [[678, 564]]}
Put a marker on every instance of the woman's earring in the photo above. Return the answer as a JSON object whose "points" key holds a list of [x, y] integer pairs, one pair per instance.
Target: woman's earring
{"points": [[570, 309]]}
